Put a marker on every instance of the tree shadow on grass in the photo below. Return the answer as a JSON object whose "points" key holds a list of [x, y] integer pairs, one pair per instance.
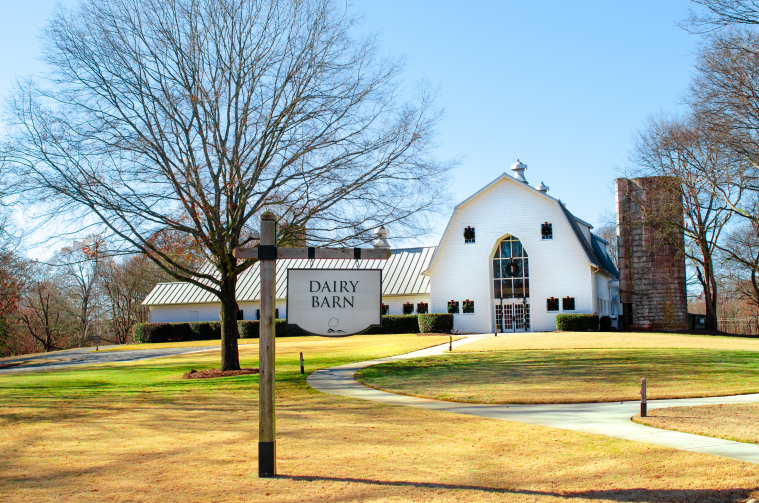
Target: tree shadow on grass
{"points": [[631, 495]]}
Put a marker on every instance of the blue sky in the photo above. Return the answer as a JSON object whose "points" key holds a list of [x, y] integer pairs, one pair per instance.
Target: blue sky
{"points": [[562, 85]]}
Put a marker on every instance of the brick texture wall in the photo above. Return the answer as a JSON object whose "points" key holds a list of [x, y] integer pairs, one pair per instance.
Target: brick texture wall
{"points": [[651, 263]]}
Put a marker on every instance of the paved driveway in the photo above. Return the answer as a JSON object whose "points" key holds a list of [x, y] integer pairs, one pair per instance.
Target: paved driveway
{"points": [[88, 356]]}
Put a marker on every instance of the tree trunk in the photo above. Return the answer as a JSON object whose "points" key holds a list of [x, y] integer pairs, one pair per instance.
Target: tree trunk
{"points": [[230, 359]]}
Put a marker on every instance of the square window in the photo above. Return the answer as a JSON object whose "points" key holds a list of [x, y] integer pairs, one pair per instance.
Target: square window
{"points": [[469, 235], [408, 308], [568, 304], [552, 304], [422, 308], [506, 289], [385, 309], [240, 314], [468, 306], [453, 307], [518, 288], [546, 231]]}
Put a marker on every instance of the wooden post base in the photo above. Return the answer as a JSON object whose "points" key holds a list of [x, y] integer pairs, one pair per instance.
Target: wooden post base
{"points": [[267, 459]]}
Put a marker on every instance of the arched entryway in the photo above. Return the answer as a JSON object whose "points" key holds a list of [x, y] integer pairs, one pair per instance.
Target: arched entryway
{"points": [[511, 286]]}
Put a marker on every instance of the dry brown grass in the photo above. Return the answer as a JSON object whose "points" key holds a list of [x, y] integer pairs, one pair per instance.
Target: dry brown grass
{"points": [[589, 340], [569, 376], [93, 434], [735, 421]]}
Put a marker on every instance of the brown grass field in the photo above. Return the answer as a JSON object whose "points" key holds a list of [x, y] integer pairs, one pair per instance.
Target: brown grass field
{"points": [[597, 340], [734, 421], [138, 432]]}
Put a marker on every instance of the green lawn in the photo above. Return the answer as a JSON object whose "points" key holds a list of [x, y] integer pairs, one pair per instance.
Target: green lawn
{"points": [[570, 376], [138, 432]]}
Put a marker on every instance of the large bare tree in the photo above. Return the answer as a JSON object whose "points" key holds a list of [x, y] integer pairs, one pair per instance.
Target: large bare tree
{"points": [[195, 116], [693, 160]]}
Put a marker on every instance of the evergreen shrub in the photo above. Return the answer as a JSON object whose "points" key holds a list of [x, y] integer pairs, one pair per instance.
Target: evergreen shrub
{"points": [[204, 331], [397, 324], [606, 324], [435, 323], [577, 322]]}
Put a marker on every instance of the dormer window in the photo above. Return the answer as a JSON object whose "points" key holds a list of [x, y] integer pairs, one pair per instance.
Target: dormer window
{"points": [[469, 235], [546, 231]]}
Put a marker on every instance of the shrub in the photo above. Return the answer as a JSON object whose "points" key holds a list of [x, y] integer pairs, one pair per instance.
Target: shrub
{"points": [[436, 323], [248, 329], [605, 324], [397, 324], [576, 322]]}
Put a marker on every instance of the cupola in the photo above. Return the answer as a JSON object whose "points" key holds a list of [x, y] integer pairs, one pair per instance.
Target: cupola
{"points": [[518, 169], [542, 187], [381, 241]]}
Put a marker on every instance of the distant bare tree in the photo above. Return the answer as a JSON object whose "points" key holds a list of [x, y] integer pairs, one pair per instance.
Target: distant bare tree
{"points": [[607, 230], [218, 110], [125, 285], [79, 271], [695, 161], [719, 14], [41, 311]]}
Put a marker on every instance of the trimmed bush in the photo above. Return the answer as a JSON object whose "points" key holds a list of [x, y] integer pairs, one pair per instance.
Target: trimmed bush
{"points": [[606, 324], [248, 329], [435, 323], [397, 324], [576, 322]]}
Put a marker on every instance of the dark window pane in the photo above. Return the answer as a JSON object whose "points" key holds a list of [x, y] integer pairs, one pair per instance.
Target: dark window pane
{"points": [[506, 249], [552, 304], [506, 289], [505, 268], [527, 288], [518, 288], [516, 248], [497, 289], [496, 269], [526, 268]]}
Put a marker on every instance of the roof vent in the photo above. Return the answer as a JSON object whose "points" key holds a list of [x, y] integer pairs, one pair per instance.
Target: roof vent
{"points": [[518, 169], [542, 187], [381, 241]]}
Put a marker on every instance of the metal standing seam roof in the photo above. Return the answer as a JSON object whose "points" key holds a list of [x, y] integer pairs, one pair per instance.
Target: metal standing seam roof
{"points": [[401, 275]]}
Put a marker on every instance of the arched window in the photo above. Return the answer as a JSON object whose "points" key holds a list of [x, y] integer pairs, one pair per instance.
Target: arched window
{"points": [[511, 270]]}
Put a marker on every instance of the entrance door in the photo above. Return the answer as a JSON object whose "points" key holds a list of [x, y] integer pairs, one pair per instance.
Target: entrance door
{"points": [[515, 316]]}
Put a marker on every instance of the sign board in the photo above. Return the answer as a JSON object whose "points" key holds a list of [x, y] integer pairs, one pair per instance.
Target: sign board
{"points": [[334, 302], [96, 339]]}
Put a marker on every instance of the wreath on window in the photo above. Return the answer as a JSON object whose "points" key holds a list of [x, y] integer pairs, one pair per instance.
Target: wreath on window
{"points": [[545, 230], [469, 233], [513, 269]]}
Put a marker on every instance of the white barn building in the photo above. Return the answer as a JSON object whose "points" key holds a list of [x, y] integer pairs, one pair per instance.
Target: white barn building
{"points": [[508, 249]]}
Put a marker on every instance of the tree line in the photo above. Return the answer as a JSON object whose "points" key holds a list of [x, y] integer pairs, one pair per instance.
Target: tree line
{"points": [[80, 292], [710, 156]]}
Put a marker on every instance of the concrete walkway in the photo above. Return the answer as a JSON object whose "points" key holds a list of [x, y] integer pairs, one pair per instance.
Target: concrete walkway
{"points": [[611, 419]]}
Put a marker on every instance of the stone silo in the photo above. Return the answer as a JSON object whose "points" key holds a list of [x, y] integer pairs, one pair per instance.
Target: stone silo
{"points": [[651, 262]]}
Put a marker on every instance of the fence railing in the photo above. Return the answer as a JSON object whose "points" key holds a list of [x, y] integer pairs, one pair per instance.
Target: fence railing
{"points": [[739, 326]]}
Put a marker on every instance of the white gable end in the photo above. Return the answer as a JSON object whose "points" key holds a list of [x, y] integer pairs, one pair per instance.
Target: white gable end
{"points": [[461, 271]]}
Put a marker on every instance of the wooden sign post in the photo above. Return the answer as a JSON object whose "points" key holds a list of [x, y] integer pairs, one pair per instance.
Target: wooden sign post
{"points": [[267, 253]]}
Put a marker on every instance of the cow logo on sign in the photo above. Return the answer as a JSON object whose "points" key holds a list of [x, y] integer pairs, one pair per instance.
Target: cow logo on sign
{"points": [[333, 323]]}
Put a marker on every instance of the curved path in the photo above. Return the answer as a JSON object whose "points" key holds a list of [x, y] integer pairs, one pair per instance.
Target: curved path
{"points": [[611, 419], [88, 356]]}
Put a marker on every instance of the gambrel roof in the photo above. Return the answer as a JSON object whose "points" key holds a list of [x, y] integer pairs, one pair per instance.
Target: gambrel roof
{"points": [[596, 257], [401, 275]]}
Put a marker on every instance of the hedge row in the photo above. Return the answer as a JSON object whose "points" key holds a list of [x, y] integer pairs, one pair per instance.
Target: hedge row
{"points": [[577, 322], [208, 330]]}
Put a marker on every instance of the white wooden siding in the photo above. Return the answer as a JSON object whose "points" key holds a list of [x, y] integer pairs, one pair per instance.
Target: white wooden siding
{"points": [[558, 267]]}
